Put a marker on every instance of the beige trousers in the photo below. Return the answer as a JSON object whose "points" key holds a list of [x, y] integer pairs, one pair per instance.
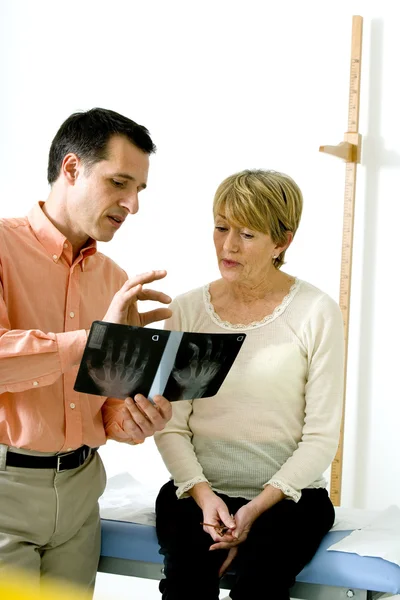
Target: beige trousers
{"points": [[49, 521]]}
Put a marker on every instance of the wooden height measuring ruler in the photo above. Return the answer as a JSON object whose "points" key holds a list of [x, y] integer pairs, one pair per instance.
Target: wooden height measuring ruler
{"points": [[350, 151]]}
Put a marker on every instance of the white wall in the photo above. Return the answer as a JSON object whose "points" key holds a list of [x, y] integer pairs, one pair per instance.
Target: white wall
{"points": [[224, 86]]}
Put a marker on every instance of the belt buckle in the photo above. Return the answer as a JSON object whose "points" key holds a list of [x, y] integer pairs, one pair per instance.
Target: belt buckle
{"points": [[59, 459]]}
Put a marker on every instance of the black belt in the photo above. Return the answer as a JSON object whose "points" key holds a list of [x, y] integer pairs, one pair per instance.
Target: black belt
{"points": [[60, 462]]}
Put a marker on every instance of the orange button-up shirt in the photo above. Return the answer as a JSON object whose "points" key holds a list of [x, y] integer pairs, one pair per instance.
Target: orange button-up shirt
{"points": [[47, 304]]}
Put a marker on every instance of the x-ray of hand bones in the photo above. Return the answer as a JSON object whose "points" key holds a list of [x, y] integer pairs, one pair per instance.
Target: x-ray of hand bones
{"points": [[196, 376], [121, 377]]}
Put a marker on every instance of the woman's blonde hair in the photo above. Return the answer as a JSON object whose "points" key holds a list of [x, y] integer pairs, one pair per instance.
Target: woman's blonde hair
{"points": [[265, 201]]}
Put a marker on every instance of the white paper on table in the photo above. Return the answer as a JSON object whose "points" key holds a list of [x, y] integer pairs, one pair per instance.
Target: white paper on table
{"points": [[126, 499], [380, 538], [352, 518]]}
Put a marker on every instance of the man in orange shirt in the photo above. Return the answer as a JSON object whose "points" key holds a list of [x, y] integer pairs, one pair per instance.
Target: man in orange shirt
{"points": [[53, 285]]}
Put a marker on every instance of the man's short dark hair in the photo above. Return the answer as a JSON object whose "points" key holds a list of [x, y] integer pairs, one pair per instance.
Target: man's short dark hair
{"points": [[87, 134]]}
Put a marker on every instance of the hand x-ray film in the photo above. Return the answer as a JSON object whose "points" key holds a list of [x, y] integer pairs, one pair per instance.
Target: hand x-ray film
{"points": [[122, 361]]}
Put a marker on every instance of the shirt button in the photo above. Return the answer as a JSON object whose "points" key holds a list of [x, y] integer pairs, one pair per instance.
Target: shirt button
{"points": [[72, 405], [72, 314], [65, 245], [55, 257], [35, 383]]}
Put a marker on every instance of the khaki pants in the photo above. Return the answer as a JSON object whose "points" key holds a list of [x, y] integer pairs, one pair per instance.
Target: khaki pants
{"points": [[49, 521]]}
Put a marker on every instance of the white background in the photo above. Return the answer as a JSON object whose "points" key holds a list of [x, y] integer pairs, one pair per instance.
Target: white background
{"points": [[224, 86]]}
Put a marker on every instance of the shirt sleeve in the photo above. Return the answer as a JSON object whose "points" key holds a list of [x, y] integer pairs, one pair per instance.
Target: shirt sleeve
{"points": [[33, 358], [174, 442], [324, 339]]}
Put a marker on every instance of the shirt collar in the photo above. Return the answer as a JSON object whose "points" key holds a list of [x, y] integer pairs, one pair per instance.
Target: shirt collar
{"points": [[53, 241]]}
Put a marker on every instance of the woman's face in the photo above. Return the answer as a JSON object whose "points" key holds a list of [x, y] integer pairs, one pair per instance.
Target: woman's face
{"points": [[244, 255]]}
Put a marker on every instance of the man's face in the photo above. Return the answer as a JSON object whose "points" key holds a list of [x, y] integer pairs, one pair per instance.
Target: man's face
{"points": [[107, 192]]}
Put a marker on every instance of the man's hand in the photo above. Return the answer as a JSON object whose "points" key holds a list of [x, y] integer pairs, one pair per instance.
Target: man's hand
{"points": [[142, 419], [123, 307]]}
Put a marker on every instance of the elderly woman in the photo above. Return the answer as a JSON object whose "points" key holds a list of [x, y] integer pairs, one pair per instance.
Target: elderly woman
{"points": [[247, 464]]}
